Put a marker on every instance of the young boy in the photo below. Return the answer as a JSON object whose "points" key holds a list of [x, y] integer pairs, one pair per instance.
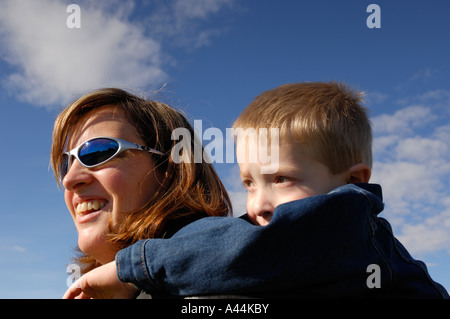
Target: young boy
{"points": [[321, 236]]}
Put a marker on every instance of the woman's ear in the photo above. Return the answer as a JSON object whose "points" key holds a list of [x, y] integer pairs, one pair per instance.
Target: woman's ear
{"points": [[359, 173]]}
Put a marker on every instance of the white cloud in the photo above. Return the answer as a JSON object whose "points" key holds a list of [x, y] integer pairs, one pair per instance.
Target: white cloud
{"points": [[236, 190], [423, 238], [403, 120], [423, 150], [54, 64], [411, 163]]}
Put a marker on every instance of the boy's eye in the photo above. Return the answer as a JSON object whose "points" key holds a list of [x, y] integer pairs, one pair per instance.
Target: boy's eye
{"points": [[248, 184], [282, 179]]}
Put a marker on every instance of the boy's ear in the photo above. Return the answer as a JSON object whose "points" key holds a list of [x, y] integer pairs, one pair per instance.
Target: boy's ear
{"points": [[359, 173]]}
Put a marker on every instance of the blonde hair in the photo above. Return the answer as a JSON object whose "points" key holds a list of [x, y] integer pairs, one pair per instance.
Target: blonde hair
{"points": [[188, 191], [326, 117]]}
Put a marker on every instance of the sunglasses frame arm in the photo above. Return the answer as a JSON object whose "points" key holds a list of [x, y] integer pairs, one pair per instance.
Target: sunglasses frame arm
{"points": [[145, 148]]}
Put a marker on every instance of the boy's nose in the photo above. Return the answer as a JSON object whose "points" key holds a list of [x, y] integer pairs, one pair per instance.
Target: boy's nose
{"points": [[263, 207]]}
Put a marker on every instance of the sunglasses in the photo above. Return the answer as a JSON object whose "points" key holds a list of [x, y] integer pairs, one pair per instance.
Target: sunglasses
{"points": [[97, 151]]}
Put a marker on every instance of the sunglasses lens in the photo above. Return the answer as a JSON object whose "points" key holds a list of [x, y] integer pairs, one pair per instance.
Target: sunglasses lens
{"points": [[64, 166], [97, 151]]}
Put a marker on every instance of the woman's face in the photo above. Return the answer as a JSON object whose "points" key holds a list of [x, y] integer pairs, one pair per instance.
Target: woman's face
{"points": [[111, 190]]}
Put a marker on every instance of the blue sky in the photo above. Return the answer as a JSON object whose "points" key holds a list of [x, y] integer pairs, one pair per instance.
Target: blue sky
{"points": [[214, 57]]}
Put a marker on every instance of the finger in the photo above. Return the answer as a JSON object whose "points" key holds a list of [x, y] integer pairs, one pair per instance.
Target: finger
{"points": [[94, 292], [82, 295], [74, 290], [72, 293]]}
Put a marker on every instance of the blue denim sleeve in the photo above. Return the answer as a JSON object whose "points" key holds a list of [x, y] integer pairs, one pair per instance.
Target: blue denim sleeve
{"points": [[316, 247], [181, 264], [132, 267]]}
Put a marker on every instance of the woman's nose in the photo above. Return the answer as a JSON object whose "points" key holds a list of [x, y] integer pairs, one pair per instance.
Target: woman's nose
{"points": [[77, 176]]}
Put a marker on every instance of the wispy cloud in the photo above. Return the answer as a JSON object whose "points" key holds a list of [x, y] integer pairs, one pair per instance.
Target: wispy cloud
{"points": [[53, 64], [19, 249], [8, 245], [375, 97], [179, 22], [421, 76], [438, 98]]}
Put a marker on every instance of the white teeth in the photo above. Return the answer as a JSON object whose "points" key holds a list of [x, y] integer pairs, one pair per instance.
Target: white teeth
{"points": [[82, 207], [88, 206]]}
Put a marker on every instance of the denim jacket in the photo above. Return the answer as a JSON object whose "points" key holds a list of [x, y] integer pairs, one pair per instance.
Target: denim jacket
{"points": [[332, 245]]}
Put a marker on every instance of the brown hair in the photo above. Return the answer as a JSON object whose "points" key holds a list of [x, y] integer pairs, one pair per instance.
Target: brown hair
{"points": [[188, 191], [327, 117]]}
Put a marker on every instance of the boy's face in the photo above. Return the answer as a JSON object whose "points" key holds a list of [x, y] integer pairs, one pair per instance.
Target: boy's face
{"points": [[298, 176]]}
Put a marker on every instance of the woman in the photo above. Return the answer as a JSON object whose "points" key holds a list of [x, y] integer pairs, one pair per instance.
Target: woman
{"points": [[111, 152]]}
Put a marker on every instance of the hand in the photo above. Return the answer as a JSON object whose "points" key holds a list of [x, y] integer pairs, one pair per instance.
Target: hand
{"points": [[101, 283]]}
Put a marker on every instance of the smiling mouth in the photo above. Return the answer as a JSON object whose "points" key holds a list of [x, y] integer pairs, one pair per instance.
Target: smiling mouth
{"points": [[89, 207]]}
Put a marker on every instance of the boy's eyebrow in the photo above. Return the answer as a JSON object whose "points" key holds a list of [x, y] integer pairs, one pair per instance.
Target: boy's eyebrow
{"points": [[291, 170], [288, 169]]}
